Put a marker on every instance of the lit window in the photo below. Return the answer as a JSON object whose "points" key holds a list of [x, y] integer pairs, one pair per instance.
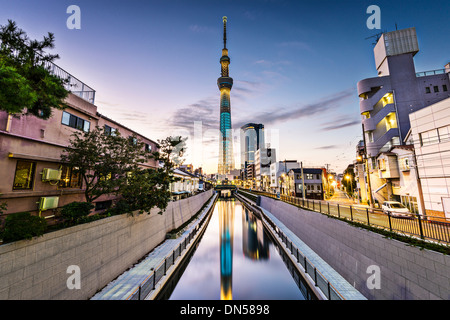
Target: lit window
{"points": [[24, 176], [69, 178]]}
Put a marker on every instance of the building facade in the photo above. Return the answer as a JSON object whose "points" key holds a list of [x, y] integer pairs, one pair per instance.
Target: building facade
{"points": [[264, 157], [430, 132], [225, 83], [311, 181], [251, 140], [279, 175], [387, 100], [32, 176]]}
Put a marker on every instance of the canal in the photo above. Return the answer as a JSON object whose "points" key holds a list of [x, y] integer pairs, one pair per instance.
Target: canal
{"points": [[235, 259]]}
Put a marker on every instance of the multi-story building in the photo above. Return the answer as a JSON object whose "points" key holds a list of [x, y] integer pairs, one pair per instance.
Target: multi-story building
{"points": [[313, 183], [264, 157], [387, 100], [430, 131], [279, 175], [251, 140], [32, 176]]}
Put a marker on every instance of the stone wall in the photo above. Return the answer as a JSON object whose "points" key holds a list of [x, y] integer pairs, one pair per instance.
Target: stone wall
{"points": [[103, 249], [406, 272]]}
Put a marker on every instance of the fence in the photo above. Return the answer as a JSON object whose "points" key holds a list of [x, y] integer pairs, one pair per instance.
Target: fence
{"points": [[319, 279], [149, 283], [415, 225]]}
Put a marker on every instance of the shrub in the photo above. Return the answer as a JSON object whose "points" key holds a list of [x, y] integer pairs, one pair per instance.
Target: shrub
{"points": [[23, 225], [76, 212]]}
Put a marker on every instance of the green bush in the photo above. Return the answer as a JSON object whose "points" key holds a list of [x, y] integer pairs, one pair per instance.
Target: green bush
{"points": [[76, 212], [22, 225]]}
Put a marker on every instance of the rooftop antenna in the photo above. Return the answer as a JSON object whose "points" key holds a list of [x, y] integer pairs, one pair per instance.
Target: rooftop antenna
{"points": [[224, 32], [377, 36]]}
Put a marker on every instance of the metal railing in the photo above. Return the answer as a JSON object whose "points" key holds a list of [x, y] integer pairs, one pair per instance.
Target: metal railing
{"points": [[320, 281], [430, 73], [427, 228], [74, 85], [149, 283]]}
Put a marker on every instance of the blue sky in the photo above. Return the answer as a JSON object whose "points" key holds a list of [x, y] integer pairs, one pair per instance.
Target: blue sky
{"points": [[295, 65]]}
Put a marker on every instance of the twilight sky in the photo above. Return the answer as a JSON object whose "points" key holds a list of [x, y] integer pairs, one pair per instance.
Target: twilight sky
{"points": [[295, 64]]}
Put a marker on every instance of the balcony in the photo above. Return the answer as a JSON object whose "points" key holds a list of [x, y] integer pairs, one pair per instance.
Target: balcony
{"points": [[74, 85], [430, 73]]}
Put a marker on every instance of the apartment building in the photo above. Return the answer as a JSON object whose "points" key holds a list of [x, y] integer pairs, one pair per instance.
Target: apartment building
{"points": [[32, 176], [312, 180], [430, 132], [386, 101]]}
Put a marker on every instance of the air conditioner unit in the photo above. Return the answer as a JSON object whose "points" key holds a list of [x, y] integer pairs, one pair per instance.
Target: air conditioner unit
{"points": [[51, 174], [46, 203]]}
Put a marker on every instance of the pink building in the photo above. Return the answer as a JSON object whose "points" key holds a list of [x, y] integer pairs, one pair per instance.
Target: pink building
{"points": [[30, 146]]}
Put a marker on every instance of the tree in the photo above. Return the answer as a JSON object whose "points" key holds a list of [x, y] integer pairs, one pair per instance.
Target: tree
{"points": [[23, 225], [26, 84], [103, 160], [149, 188]]}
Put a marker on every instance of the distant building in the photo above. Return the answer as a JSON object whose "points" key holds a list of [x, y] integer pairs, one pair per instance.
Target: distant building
{"points": [[278, 175], [251, 140], [264, 157]]}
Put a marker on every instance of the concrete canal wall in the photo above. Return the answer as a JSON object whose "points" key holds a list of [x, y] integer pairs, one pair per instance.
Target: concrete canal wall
{"points": [[379, 268], [46, 268]]}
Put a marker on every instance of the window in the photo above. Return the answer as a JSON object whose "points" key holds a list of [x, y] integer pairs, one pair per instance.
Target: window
{"points": [[436, 89], [309, 176], [444, 133], [110, 131], [148, 147], [404, 164], [132, 140], [75, 122], [427, 90], [429, 137], [444, 87], [24, 176], [69, 178]]}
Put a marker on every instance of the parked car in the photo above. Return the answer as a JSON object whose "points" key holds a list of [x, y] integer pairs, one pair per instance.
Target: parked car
{"points": [[396, 209]]}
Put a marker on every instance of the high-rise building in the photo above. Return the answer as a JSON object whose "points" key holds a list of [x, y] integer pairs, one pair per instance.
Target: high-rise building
{"points": [[251, 140], [225, 83]]}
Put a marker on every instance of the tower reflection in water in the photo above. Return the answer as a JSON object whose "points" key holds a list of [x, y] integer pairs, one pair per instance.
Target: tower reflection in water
{"points": [[255, 244]]}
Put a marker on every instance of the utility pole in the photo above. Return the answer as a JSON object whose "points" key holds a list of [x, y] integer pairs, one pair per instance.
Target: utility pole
{"points": [[303, 182], [366, 163]]}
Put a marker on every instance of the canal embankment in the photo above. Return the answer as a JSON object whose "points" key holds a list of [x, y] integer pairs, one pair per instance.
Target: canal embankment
{"points": [[75, 263], [379, 267]]}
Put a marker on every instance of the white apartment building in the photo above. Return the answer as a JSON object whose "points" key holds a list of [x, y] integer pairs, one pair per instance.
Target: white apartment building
{"points": [[430, 130]]}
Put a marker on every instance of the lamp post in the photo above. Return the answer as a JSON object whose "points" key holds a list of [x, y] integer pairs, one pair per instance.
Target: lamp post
{"points": [[348, 178]]}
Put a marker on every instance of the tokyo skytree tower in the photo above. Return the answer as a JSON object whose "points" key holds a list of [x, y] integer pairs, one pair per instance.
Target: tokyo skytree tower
{"points": [[226, 161]]}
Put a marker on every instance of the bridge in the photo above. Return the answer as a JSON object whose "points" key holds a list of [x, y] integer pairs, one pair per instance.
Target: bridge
{"points": [[225, 190]]}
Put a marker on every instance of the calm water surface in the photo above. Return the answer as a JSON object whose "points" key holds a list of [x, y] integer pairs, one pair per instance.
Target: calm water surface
{"points": [[236, 259]]}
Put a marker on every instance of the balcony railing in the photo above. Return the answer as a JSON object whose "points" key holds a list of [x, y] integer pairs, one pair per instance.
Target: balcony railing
{"points": [[430, 73], [74, 85]]}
